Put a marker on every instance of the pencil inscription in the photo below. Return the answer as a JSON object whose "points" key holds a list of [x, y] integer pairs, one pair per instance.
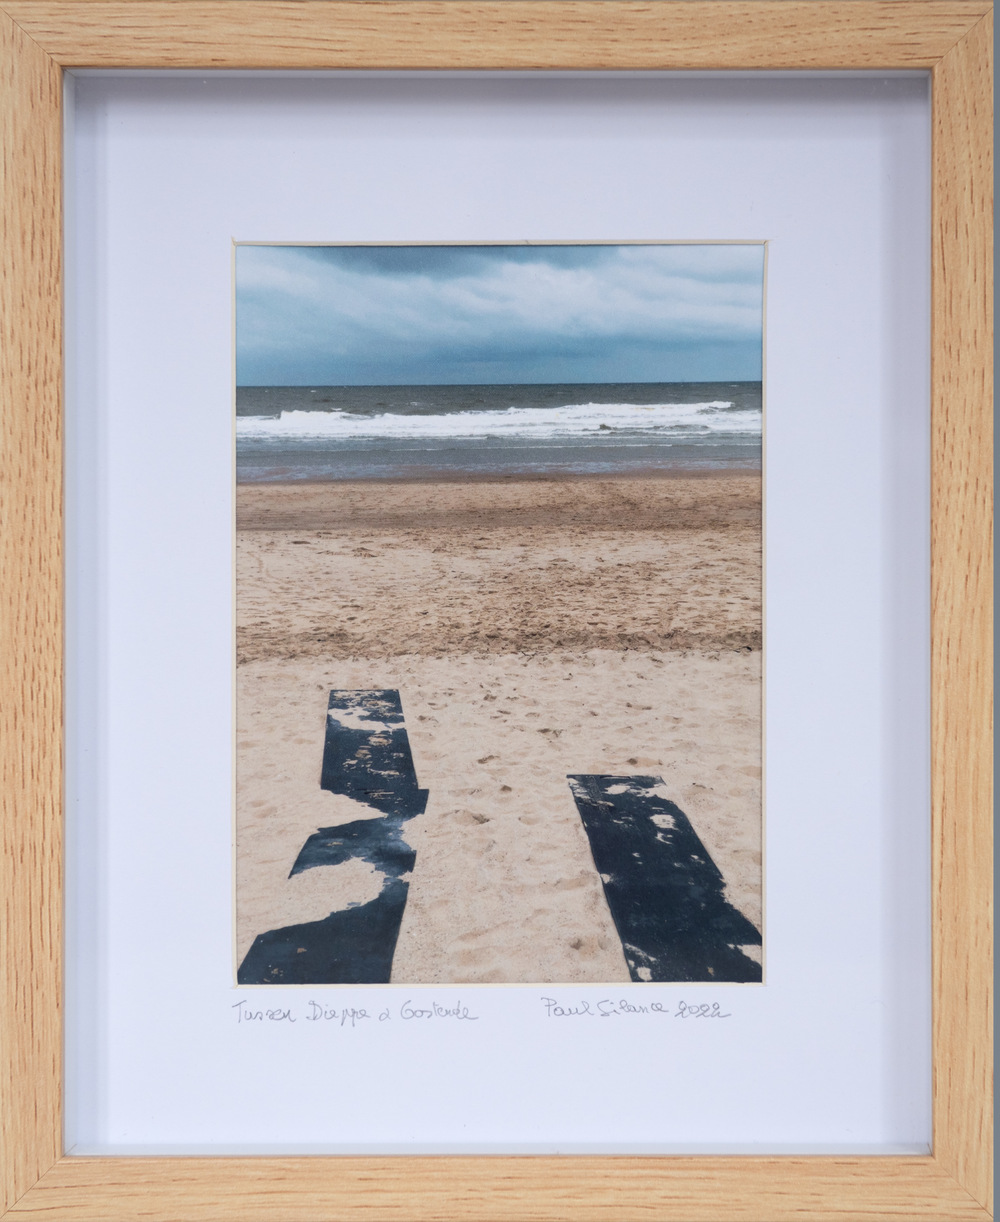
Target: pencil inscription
{"points": [[351, 1016], [611, 1008]]}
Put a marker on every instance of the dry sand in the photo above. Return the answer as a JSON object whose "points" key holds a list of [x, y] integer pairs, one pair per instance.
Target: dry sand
{"points": [[533, 629]]}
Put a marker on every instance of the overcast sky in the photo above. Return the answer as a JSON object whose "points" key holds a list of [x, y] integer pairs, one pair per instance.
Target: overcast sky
{"points": [[425, 315]]}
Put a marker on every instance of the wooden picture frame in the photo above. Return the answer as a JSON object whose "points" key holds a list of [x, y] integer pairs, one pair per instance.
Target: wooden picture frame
{"points": [[952, 39]]}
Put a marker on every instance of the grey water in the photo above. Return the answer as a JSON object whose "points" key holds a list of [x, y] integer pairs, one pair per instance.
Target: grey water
{"points": [[287, 434]]}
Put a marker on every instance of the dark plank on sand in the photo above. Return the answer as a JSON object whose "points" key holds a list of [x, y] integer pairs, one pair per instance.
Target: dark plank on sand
{"points": [[665, 893], [367, 752], [366, 757]]}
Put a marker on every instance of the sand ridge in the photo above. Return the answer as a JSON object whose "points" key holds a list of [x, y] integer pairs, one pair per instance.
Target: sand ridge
{"points": [[499, 569]]}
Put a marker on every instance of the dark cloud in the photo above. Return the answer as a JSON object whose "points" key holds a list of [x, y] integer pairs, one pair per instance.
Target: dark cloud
{"points": [[341, 315], [450, 262]]}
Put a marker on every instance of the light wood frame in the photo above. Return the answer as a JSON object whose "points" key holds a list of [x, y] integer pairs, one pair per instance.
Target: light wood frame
{"points": [[40, 38]]}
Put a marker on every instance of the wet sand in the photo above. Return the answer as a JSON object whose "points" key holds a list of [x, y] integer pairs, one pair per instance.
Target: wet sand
{"points": [[534, 629]]}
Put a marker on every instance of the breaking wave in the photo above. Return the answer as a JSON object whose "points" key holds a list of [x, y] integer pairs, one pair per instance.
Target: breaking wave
{"points": [[582, 420]]}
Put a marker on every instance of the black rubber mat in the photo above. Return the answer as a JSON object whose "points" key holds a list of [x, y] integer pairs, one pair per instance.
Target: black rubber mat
{"points": [[366, 757], [367, 752], [664, 891], [378, 841], [354, 946]]}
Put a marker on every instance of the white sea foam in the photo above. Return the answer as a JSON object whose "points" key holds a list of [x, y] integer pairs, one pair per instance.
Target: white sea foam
{"points": [[580, 420]]}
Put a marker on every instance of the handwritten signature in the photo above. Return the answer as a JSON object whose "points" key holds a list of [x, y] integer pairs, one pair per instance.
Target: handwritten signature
{"points": [[607, 1008]]}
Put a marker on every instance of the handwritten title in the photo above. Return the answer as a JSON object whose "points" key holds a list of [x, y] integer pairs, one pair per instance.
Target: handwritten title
{"points": [[352, 1016]]}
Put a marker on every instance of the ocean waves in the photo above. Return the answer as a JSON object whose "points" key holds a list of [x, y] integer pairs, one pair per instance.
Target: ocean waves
{"points": [[578, 422]]}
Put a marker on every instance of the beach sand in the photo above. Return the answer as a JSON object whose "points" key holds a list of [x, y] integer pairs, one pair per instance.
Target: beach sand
{"points": [[533, 628]]}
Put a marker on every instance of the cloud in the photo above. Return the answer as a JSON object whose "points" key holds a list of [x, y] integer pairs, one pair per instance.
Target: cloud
{"points": [[445, 262], [402, 314]]}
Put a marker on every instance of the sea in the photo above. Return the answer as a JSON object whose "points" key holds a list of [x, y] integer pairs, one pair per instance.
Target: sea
{"points": [[286, 434]]}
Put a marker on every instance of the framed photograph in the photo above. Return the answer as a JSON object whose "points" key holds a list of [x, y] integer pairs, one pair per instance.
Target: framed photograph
{"points": [[435, 445], [498, 519]]}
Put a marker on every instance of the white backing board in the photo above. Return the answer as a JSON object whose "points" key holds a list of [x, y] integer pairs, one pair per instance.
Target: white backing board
{"points": [[833, 1052]]}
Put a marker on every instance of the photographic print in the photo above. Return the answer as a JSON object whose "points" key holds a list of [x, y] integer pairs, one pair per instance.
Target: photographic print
{"points": [[498, 597]]}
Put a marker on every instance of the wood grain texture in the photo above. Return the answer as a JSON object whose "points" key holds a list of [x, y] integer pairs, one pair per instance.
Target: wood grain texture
{"points": [[953, 38], [962, 609], [30, 613], [511, 1189], [498, 33]]}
